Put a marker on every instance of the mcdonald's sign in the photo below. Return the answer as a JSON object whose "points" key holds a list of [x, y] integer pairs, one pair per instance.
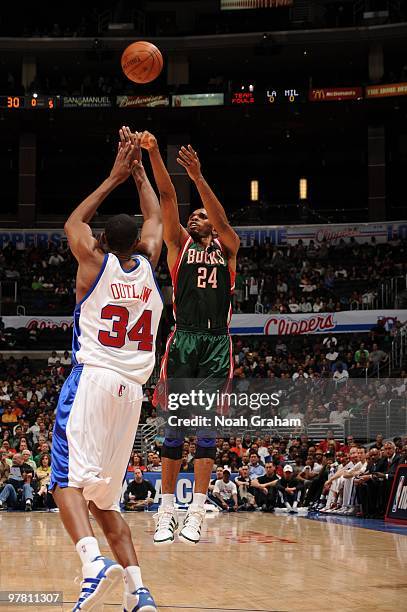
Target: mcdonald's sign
{"points": [[236, 5], [335, 94]]}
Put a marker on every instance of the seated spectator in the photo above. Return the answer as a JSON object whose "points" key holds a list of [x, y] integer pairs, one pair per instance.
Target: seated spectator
{"points": [[4, 468], [265, 490], [340, 375], [289, 488], [53, 359], [18, 485], [136, 462], [339, 415], [256, 469], [186, 466], [218, 476], [225, 492], [27, 458], [43, 474], [237, 448], [9, 416], [244, 490], [376, 357], [332, 355], [361, 354], [155, 464], [66, 359], [140, 493]]}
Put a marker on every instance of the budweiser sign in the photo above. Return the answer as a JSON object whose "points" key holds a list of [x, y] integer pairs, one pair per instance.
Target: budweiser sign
{"points": [[283, 326]]}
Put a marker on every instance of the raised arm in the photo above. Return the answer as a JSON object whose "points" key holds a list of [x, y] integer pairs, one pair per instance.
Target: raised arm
{"points": [[174, 233], [151, 239], [82, 244], [188, 158]]}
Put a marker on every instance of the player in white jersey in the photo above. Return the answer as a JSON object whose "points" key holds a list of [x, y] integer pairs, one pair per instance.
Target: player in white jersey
{"points": [[115, 325]]}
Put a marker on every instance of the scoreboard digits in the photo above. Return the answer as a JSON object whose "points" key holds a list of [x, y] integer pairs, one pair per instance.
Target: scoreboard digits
{"points": [[27, 102]]}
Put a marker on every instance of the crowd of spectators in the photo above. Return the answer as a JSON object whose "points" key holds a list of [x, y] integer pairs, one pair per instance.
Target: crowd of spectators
{"points": [[29, 394], [45, 276], [315, 277], [293, 279], [286, 474]]}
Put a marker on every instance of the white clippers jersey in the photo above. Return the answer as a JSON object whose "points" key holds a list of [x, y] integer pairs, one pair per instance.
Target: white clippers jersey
{"points": [[115, 324]]}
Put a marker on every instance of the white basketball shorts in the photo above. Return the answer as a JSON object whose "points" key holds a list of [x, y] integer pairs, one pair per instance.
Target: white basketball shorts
{"points": [[95, 426]]}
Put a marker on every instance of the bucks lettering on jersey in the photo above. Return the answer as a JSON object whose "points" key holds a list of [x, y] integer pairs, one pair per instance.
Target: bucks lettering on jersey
{"points": [[202, 288]]}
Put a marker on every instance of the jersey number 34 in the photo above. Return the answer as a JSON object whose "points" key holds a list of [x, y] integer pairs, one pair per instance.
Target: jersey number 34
{"points": [[140, 332]]}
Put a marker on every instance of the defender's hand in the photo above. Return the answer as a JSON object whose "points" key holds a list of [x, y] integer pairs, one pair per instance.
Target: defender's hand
{"points": [[123, 163], [127, 137], [189, 160]]}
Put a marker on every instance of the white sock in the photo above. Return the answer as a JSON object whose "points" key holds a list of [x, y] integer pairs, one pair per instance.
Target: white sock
{"points": [[167, 500], [132, 578], [288, 506], [87, 548], [295, 504], [199, 499]]}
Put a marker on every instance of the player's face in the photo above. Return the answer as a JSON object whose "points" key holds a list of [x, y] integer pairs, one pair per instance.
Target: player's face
{"points": [[198, 224]]}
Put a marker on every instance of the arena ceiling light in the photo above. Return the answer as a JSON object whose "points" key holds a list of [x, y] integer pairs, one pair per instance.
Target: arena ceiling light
{"points": [[254, 190], [303, 187]]}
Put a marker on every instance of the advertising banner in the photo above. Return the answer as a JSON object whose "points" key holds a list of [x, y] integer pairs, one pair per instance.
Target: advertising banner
{"points": [[351, 321], [249, 235], [236, 5], [87, 102], [397, 507], [183, 490], [386, 91], [335, 94], [205, 99], [290, 234], [142, 101]]}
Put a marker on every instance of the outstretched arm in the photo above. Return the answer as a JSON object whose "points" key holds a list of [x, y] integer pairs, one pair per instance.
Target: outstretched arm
{"points": [[188, 158], [78, 232], [151, 239], [174, 233]]}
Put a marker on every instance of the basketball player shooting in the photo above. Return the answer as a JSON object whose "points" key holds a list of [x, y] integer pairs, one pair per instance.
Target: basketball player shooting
{"points": [[202, 269], [115, 325]]}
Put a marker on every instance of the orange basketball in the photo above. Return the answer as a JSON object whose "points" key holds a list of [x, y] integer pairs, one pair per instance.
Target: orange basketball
{"points": [[142, 62]]}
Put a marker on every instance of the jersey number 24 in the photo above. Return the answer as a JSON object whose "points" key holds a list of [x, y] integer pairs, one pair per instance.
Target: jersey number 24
{"points": [[140, 332]]}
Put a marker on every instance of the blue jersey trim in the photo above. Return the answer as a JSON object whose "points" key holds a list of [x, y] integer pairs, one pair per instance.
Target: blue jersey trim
{"points": [[136, 265], [97, 279], [60, 446], [154, 277]]}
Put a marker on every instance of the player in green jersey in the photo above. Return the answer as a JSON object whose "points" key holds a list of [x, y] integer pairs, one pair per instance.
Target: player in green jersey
{"points": [[202, 263]]}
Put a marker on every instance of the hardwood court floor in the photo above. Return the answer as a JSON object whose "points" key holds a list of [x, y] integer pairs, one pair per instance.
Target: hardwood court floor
{"points": [[245, 562]]}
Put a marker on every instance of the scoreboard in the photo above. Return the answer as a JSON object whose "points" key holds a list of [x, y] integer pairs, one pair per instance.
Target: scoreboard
{"points": [[30, 102]]}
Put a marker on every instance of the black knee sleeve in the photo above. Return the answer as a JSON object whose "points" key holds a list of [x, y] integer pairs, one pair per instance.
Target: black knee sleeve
{"points": [[203, 452], [171, 452]]}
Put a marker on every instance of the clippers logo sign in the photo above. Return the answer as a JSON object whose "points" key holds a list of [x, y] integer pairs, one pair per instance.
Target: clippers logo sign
{"points": [[282, 326], [397, 506]]}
